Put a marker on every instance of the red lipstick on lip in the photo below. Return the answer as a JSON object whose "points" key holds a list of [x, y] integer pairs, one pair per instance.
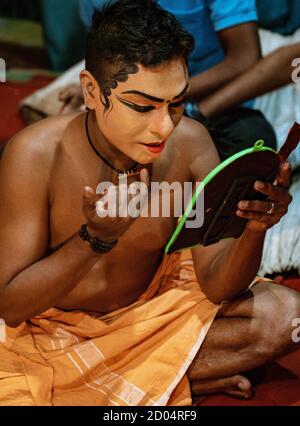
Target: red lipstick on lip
{"points": [[156, 149]]}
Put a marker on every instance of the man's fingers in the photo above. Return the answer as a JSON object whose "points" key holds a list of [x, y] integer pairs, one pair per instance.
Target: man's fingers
{"points": [[284, 175], [89, 197], [261, 206], [69, 93], [144, 177], [273, 192], [66, 94], [62, 95], [88, 191], [266, 220], [74, 102]]}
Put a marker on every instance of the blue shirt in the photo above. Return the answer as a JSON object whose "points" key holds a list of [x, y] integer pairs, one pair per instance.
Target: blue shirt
{"points": [[202, 18]]}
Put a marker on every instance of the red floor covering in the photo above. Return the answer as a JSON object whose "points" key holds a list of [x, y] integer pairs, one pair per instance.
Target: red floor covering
{"points": [[279, 383], [10, 96]]}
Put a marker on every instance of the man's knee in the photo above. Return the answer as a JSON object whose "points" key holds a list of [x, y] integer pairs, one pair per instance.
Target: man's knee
{"points": [[251, 126], [276, 315], [240, 129], [260, 128]]}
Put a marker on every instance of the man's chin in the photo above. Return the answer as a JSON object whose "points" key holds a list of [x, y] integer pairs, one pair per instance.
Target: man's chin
{"points": [[148, 160]]}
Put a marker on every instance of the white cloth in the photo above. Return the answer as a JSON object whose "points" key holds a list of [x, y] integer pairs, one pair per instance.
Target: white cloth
{"points": [[282, 106], [282, 245], [46, 100]]}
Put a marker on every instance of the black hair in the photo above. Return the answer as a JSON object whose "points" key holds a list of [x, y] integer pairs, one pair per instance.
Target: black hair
{"points": [[125, 33]]}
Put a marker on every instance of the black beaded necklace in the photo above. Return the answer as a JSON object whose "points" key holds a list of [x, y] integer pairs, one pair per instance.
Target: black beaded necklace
{"points": [[132, 171]]}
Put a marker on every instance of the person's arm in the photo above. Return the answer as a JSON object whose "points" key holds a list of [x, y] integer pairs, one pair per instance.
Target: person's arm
{"points": [[270, 73], [72, 98], [30, 282], [242, 50], [228, 267]]}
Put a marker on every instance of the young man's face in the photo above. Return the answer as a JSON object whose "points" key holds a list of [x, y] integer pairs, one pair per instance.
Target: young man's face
{"points": [[144, 110]]}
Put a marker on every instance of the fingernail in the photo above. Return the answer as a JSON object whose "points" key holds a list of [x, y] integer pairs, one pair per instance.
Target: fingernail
{"points": [[242, 204], [87, 189], [259, 185]]}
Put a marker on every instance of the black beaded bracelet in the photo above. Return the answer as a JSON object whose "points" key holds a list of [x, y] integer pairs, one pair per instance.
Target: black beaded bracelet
{"points": [[96, 245]]}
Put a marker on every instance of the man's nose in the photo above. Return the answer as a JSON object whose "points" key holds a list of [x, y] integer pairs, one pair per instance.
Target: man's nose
{"points": [[161, 124]]}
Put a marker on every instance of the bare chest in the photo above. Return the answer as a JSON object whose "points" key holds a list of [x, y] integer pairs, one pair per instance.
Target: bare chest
{"points": [[120, 276]]}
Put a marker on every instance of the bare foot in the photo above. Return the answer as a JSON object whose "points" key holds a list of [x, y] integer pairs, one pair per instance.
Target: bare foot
{"points": [[237, 386]]}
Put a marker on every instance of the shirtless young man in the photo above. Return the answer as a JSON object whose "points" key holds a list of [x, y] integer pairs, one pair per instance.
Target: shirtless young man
{"points": [[134, 86]]}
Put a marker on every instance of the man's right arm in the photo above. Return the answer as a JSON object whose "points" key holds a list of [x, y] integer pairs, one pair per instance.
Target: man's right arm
{"points": [[270, 73], [30, 282]]}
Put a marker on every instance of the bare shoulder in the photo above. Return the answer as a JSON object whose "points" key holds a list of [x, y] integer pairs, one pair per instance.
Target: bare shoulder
{"points": [[191, 134], [36, 143], [193, 141]]}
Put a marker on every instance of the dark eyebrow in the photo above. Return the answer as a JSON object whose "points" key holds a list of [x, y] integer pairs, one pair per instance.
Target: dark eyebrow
{"points": [[183, 91], [154, 98]]}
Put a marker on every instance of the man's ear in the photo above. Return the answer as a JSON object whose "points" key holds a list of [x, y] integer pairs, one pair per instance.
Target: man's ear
{"points": [[90, 89]]}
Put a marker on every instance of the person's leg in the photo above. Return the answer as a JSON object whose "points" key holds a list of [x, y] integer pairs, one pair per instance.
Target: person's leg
{"points": [[240, 129], [247, 333]]}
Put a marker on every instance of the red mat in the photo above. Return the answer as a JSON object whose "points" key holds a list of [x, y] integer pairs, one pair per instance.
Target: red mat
{"points": [[10, 96], [280, 383]]}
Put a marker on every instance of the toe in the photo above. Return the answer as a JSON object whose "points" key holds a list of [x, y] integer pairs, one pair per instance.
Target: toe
{"points": [[237, 386], [241, 382]]}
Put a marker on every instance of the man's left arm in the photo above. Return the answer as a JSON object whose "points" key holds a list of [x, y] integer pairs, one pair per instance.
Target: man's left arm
{"points": [[234, 22], [227, 268], [242, 50], [270, 73]]}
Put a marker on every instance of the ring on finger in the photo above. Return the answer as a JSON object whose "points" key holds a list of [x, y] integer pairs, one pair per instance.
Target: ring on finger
{"points": [[271, 208]]}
